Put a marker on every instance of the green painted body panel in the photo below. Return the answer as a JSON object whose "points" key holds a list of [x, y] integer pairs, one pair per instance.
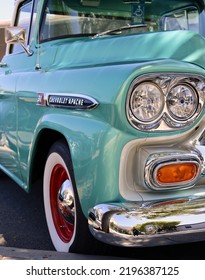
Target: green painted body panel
{"points": [[188, 47], [102, 68]]}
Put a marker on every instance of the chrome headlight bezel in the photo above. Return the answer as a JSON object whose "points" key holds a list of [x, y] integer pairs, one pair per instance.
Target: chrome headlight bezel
{"points": [[167, 119]]}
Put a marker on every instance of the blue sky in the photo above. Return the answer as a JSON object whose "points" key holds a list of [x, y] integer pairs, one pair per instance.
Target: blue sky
{"points": [[6, 9]]}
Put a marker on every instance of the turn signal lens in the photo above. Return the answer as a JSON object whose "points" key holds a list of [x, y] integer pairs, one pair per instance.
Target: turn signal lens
{"points": [[176, 173]]}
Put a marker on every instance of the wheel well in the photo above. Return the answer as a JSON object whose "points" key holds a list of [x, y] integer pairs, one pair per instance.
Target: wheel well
{"points": [[45, 140]]}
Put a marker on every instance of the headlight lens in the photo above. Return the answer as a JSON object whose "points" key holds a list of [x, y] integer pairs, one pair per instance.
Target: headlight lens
{"points": [[147, 102], [182, 102]]}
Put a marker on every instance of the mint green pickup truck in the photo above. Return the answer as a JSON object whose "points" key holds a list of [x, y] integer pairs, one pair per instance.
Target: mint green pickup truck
{"points": [[103, 102]]}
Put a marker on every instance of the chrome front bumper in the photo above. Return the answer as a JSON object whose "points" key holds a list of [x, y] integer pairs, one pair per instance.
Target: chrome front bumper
{"points": [[150, 224]]}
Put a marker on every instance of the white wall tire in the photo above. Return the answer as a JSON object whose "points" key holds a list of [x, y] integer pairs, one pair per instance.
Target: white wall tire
{"points": [[56, 171]]}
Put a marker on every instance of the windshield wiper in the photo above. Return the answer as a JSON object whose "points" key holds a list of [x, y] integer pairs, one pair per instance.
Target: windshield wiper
{"points": [[119, 30]]}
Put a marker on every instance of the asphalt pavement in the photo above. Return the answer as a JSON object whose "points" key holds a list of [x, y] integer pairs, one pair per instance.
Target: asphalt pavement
{"points": [[9, 253]]}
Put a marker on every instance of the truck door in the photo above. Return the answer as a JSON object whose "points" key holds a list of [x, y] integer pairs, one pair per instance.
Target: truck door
{"points": [[14, 65]]}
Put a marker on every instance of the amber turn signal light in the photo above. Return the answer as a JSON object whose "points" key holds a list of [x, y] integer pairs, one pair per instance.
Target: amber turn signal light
{"points": [[176, 173]]}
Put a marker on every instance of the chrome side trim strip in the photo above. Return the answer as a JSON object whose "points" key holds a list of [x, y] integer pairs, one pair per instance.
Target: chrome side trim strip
{"points": [[67, 101], [149, 224]]}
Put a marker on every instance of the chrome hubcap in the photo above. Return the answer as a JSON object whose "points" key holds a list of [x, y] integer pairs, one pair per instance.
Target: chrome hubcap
{"points": [[66, 202]]}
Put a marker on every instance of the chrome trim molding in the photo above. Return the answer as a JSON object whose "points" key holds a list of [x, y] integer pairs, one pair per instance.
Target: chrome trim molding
{"points": [[149, 224], [67, 101]]}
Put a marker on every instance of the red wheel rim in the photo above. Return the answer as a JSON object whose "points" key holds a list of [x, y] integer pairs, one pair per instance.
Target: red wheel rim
{"points": [[64, 229]]}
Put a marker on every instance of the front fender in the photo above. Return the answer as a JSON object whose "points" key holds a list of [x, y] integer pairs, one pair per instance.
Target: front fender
{"points": [[95, 149]]}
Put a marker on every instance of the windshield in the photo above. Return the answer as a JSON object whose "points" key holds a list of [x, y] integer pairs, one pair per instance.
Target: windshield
{"points": [[69, 18]]}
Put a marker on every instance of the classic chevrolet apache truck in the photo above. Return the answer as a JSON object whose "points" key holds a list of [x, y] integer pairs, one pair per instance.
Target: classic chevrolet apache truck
{"points": [[104, 101]]}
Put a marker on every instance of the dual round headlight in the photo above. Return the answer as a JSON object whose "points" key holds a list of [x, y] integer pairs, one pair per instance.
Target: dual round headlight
{"points": [[149, 102], [182, 102]]}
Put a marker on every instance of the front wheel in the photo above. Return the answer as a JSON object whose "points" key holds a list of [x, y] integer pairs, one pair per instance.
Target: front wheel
{"points": [[62, 209]]}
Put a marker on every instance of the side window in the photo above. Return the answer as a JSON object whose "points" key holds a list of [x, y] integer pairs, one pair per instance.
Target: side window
{"points": [[25, 20]]}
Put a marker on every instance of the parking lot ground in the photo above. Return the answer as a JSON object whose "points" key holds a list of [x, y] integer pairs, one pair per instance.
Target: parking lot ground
{"points": [[10, 253]]}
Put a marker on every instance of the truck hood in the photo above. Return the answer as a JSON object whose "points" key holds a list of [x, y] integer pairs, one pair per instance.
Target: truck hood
{"points": [[177, 45]]}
